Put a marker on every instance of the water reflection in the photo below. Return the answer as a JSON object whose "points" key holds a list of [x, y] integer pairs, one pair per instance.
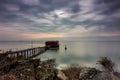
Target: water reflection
{"points": [[85, 53]]}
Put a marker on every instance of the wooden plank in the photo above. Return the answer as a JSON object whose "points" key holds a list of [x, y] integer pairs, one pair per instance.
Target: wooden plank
{"points": [[31, 52]]}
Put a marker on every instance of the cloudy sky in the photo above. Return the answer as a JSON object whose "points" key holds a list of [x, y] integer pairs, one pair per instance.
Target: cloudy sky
{"points": [[37, 19]]}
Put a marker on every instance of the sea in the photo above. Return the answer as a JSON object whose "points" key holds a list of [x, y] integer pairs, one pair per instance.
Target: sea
{"points": [[78, 52]]}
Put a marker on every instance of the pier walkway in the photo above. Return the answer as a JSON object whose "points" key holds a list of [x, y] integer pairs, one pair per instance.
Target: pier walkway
{"points": [[27, 53]]}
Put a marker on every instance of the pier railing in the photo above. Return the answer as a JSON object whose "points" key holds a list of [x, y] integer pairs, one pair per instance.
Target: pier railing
{"points": [[27, 53]]}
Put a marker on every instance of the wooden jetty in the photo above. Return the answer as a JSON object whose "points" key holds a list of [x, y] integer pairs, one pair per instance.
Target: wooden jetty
{"points": [[27, 53]]}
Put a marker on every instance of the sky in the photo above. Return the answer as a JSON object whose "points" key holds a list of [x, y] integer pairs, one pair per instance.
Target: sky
{"points": [[38, 19]]}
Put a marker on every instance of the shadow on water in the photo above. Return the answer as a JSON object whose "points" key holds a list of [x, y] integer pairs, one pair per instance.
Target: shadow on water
{"points": [[53, 50]]}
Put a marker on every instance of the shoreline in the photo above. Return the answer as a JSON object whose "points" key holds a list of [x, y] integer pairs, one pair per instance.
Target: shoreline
{"points": [[35, 69]]}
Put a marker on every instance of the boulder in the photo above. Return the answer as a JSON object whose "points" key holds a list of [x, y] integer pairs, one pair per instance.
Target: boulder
{"points": [[88, 73], [61, 75]]}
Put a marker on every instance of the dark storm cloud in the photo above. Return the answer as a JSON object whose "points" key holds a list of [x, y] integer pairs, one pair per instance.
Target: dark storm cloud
{"points": [[75, 8], [110, 6], [10, 8], [108, 9], [62, 16]]}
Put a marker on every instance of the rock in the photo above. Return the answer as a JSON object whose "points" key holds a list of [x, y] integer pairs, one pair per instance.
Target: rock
{"points": [[61, 75], [8, 77], [88, 73], [106, 76]]}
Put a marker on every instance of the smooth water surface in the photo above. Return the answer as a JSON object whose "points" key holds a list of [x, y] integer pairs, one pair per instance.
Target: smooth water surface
{"points": [[84, 53]]}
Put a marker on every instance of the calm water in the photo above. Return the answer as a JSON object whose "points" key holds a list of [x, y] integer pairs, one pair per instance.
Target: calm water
{"points": [[85, 53]]}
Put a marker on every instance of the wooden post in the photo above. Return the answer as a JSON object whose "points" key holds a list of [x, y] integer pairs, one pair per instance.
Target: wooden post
{"points": [[27, 54], [34, 51], [22, 53], [17, 54], [30, 53]]}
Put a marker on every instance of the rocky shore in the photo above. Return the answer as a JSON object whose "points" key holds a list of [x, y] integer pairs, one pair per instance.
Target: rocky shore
{"points": [[35, 69]]}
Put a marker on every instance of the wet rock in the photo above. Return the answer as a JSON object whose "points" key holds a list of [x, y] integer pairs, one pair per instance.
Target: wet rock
{"points": [[88, 73], [106, 76], [72, 72], [61, 75]]}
